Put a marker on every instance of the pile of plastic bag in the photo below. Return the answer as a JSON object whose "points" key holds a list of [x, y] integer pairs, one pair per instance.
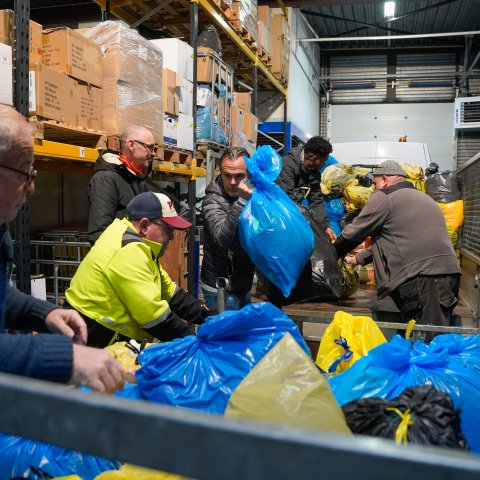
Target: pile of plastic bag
{"points": [[449, 364]]}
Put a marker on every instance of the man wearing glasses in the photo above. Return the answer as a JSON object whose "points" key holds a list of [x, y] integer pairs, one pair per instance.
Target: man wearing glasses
{"points": [[300, 178], [60, 358], [120, 288], [117, 178]]}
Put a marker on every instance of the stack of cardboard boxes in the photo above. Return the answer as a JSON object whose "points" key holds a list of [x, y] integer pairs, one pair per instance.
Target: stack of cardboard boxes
{"points": [[214, 98], [6, 42], [280, 48], [177, 92], [244, 122], [265, 22], [245, 13], [132, 80]]}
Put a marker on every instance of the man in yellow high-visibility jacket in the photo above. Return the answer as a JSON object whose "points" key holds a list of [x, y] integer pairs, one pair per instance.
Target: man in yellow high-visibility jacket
{"points": [[120, 288]]}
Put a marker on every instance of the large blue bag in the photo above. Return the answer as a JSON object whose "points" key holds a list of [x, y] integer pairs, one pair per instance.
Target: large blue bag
{"points": [[448, 365], [200, 372], [19, 454], [272, 229]]}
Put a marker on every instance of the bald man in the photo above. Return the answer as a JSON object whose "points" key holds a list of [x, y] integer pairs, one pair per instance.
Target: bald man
{"points": [[60, 358], [117, 178]]}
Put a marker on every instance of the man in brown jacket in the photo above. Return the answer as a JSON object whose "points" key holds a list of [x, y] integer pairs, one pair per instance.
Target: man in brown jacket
{"points": [[413, 256]]}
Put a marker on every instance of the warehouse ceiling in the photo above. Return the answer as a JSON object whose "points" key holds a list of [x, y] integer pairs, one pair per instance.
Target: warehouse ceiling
{"points": [[360, 19], [335, 19]]}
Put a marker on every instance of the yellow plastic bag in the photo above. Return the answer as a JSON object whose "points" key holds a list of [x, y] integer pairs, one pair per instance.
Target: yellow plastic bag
{"points": [[415, 175], [345, 340], [357, 196], [334, 178], [132, 472], [453, 213], [286, 388], [68, 477]]}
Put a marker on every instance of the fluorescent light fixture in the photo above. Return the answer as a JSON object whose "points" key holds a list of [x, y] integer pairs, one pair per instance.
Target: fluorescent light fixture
{"points": [[389, 10], [430, 83], [352, 86]]}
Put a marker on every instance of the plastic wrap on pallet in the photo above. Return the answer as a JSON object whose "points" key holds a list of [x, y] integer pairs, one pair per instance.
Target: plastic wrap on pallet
{"points": [[132, 83], [207, 127]]}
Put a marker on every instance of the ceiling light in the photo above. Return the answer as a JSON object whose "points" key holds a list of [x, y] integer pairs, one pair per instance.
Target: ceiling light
{"points": [[389, 10]]}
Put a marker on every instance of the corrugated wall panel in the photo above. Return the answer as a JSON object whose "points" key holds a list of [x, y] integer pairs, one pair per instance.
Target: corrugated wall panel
{"points": [[354, 69], [470, 178], [416, 64], [468, 145]]}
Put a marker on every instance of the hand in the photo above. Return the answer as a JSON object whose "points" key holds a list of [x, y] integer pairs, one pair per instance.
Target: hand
{"points": [[245, 189], [97, 369], [351, 260], [69, 323], [331, 234]]}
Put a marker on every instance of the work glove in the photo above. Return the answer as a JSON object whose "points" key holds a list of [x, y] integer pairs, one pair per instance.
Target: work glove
{"points": [[189, 308]]}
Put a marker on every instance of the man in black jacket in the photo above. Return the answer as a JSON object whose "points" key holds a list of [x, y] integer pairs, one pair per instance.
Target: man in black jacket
{"points": [[119, 178], [223, 256], [300, 178]]}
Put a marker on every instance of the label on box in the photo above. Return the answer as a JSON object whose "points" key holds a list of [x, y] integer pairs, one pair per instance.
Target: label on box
{"points": [[32, 102]]}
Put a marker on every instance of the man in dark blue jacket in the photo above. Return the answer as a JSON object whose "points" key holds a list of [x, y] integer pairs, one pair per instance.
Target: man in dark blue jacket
{"points": [[61, 358]]}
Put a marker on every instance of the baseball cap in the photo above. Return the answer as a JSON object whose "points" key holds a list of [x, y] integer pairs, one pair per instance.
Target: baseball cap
{"points": [[389, 167], [156, 205]]}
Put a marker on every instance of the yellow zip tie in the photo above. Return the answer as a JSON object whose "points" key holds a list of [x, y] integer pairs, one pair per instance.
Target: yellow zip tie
{"points": [[409, 330], [401, 435]]}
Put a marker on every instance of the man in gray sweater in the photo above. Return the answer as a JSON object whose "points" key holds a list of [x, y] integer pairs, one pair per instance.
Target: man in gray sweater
{"points": [[413, 256]]}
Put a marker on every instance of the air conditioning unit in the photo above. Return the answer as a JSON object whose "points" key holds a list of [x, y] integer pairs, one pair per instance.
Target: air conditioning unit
{"points": [[467, 112]]}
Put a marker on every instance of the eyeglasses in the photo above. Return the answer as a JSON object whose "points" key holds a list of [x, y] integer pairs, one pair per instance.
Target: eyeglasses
{"points": [[30, 176], [150, 147], [161, 224]]}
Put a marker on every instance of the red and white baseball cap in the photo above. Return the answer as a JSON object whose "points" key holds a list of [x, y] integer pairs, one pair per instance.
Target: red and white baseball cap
{"points": [[156, 206]]}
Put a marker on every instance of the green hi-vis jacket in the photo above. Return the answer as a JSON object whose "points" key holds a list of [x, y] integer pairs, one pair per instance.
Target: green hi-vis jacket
{"points": [[121, 284]]}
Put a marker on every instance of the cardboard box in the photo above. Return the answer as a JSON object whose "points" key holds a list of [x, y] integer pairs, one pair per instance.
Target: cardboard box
{"points": [[184, 92], [281, 45], [6, 74], [91, 107], [238, 119], [170, 129], [169, 95], [52, 95], [185, 132], [68, 52], [36, 42], [265, 37], [177, 56], [250, 123], [35, 32], [204, 69], [265, 15], [243, 100]]}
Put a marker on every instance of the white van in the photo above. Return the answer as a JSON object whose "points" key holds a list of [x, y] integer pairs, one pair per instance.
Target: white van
{"points": [[373, 153]]}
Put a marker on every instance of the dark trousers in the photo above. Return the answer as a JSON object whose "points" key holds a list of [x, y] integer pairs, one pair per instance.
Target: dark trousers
{"points": [[428, 299], [98, 335]]}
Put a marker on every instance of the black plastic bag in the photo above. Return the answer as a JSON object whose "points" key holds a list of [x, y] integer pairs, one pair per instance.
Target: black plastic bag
{"points": [[209, 38], [443, 187], [435, 420], [321, 278], [347, 219]]}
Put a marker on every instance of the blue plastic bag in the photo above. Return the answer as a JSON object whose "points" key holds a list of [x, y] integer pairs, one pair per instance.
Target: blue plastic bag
{"points": [[19, 454], [272, 229], [335, 211], [200, 372], [392, 367]]}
